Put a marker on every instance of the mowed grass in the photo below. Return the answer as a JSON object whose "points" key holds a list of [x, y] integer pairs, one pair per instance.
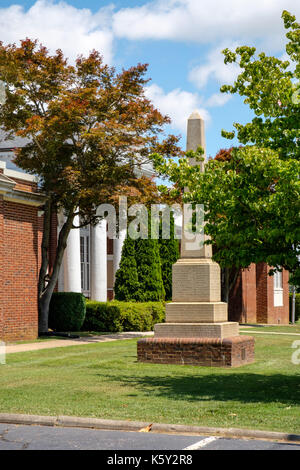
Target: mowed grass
{"points": [[104, 380]]}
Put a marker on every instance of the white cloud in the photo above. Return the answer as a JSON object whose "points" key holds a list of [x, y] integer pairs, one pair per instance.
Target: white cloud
{"points": [[177, 104], [204, 22], [214, 68], [217, 99], [59, 25]]}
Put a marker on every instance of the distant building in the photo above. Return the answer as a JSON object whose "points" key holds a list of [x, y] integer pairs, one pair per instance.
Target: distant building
{"points": [[20, 240], [260, 298]]}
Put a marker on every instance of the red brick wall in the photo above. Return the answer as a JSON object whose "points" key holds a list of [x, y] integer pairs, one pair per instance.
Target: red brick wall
{"points": [[278, 315], [252, 299], [19, 271], [210, 352], [24, 185], [242, 299], [249, 311], [1, 267], [262, 293]]}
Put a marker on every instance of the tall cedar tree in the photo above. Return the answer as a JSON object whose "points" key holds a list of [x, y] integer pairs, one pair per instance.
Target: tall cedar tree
{"points": [[147, 258], [127, 284], [169, 254], [84, 123], [151, 286]]}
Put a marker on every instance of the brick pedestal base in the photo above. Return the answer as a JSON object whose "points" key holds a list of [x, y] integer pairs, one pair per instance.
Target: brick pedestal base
{"points": [[210, 352]]}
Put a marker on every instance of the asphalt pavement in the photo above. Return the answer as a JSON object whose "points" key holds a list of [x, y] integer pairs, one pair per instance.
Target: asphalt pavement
{"points": [[34, 437]]}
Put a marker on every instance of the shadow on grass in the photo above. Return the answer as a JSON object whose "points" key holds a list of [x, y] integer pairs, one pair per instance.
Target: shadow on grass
{"points": [[242, 387]]}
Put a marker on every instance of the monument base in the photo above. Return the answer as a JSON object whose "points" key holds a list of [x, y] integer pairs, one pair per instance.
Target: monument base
{"points": [[233, 351]]}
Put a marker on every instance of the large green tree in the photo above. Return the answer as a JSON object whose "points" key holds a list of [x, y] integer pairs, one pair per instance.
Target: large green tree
{"points": [[84, 123], [271, 88], [252, 205], [252, 200]]}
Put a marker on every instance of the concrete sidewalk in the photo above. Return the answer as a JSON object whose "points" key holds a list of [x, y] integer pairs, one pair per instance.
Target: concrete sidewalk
{"points": [[60, 343]]}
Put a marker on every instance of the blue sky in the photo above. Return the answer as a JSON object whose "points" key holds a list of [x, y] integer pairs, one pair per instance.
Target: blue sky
{"points": [[181, 40]]}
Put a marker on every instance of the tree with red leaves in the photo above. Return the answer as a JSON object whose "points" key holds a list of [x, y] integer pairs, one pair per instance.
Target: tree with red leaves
{"points": [[89, 129]]}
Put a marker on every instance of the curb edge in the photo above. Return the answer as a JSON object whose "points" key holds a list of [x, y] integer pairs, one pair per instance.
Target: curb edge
{"points": [[118, 425]]}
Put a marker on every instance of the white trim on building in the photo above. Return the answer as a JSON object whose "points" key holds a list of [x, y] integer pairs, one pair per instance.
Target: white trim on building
{"points": [[278, 289]]}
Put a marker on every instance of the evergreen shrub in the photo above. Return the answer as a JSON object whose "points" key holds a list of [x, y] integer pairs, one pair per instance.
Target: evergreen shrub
{"points": [[67, 311]]}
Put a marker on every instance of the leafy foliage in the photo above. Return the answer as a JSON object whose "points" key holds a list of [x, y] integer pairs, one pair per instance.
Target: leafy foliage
{"points": [[117, 316], [251, 195], [271, 88], [252, 204], [83, 124]]}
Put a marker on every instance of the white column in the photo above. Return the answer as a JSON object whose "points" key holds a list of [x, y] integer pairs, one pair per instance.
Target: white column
{"points": [[118, 245], [98, 281], [72, 272]]}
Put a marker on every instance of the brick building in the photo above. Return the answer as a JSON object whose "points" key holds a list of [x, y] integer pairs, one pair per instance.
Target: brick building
{"points": [[260, 298], [20, 239]]}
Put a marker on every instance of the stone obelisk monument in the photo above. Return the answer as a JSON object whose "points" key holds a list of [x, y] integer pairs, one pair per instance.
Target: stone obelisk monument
{"points": [[196, 330]]}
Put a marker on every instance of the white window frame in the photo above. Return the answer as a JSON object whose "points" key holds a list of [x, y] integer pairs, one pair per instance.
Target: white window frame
{"points": [[278, 289]]}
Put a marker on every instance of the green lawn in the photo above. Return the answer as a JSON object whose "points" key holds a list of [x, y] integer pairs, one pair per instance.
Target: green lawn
{"points": [[105, 380]]}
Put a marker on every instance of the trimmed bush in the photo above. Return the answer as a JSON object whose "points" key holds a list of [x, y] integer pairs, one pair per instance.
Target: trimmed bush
{"points": [[297, 307], [67, 311], [102, 316], [118, 316]]}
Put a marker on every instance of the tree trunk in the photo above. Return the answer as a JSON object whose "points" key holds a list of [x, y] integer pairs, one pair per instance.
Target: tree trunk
{"points": [[229, 280], [42, 305], [44, 302], [47, 282]]}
